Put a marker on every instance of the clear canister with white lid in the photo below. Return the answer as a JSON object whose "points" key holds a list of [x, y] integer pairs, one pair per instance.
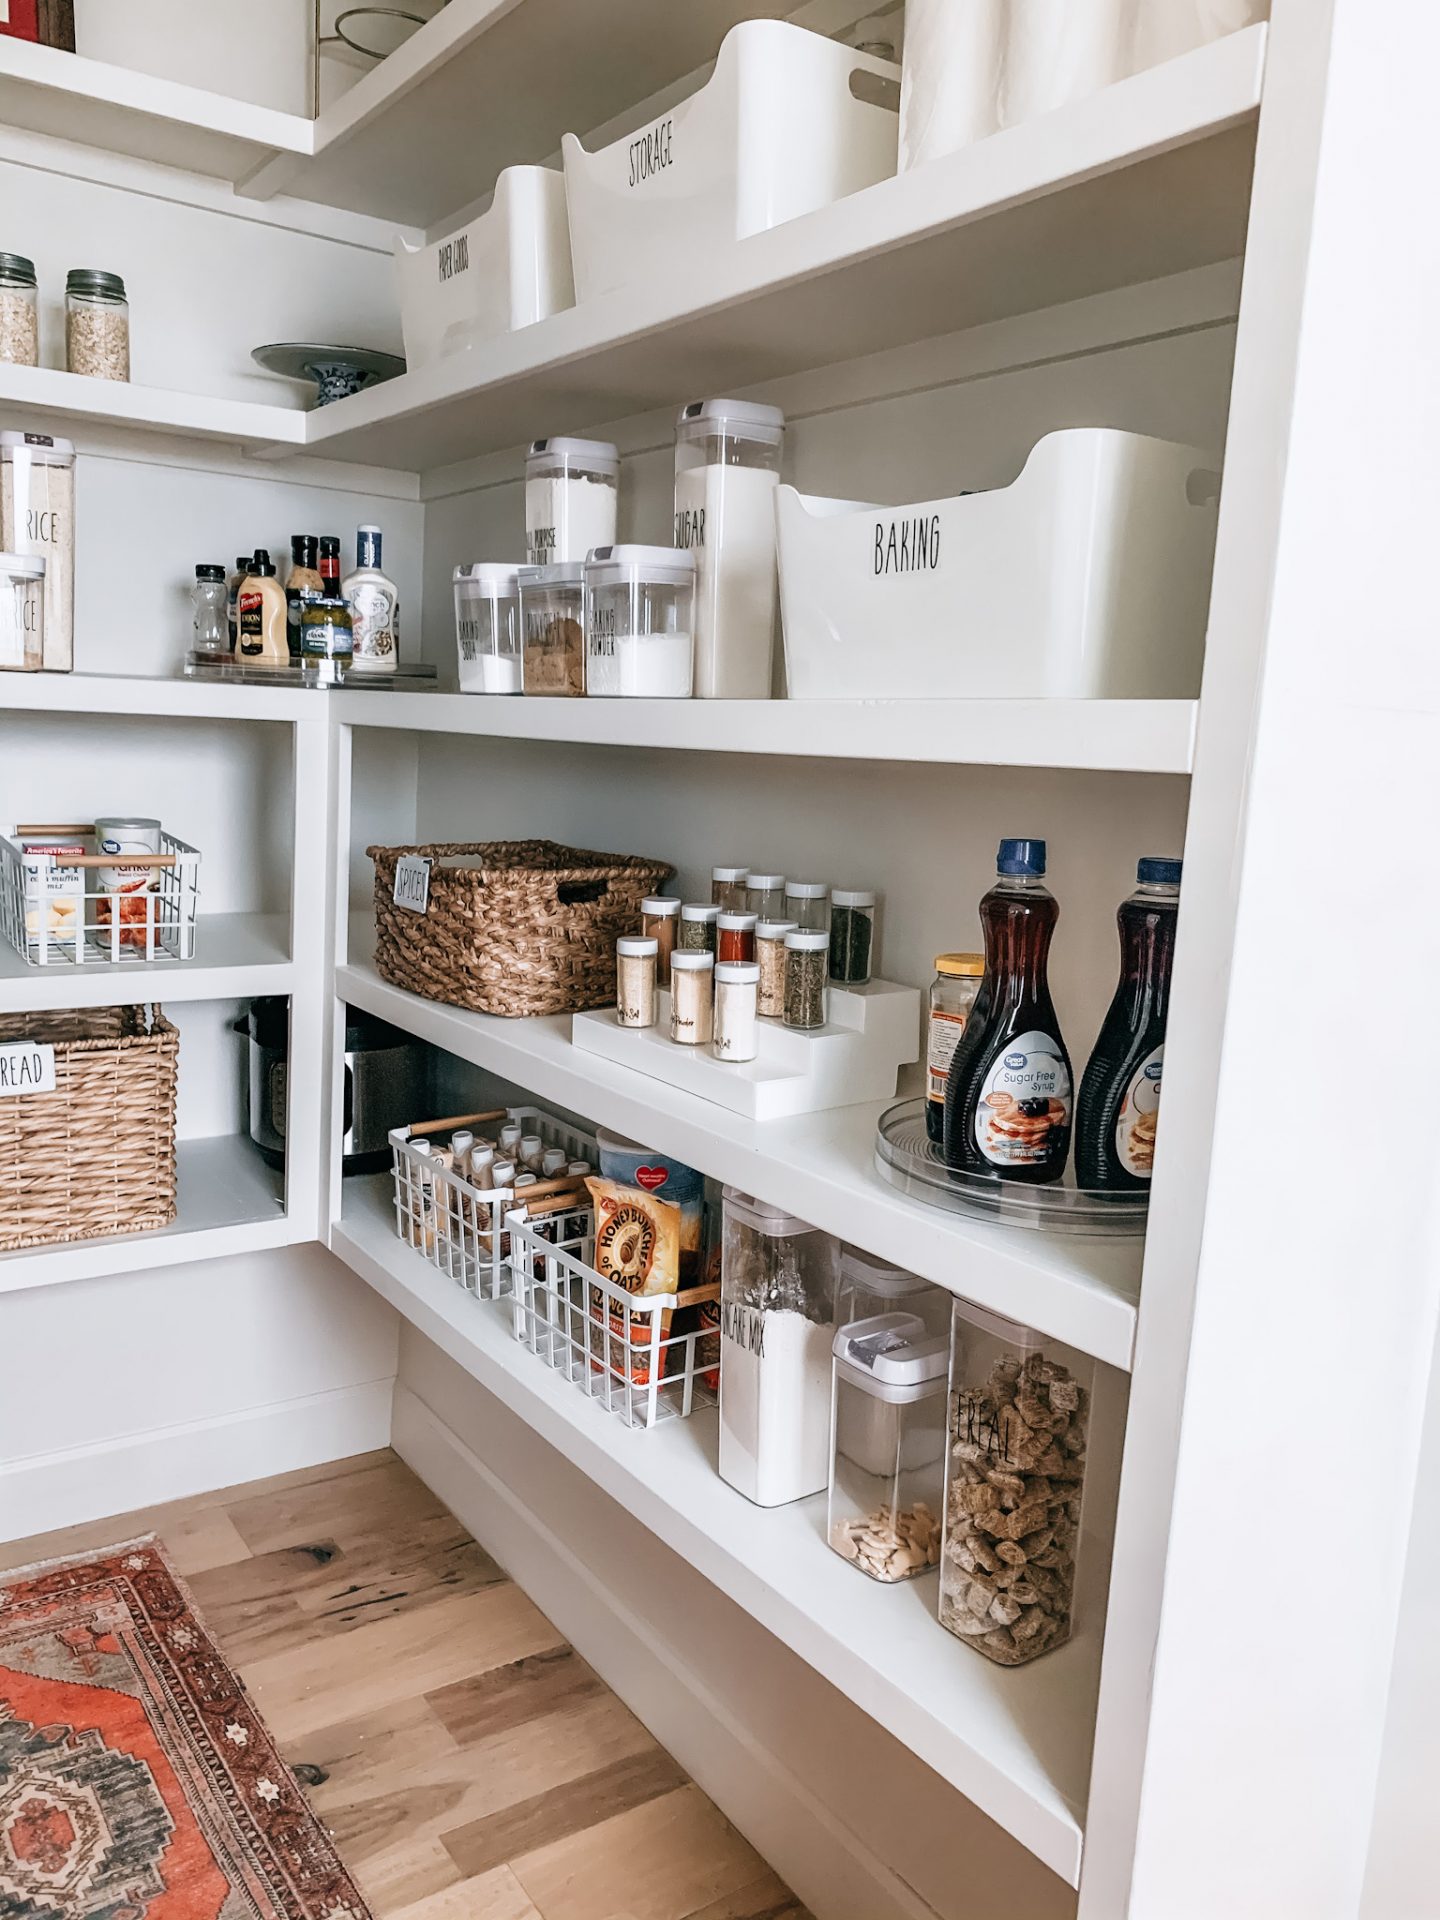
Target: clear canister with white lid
{"points": [[727, 467], [571, 490], [22, 612], [639, 622], [887, 1467], [487, 627], [552, 628], [37, 516], [869, 1285]]}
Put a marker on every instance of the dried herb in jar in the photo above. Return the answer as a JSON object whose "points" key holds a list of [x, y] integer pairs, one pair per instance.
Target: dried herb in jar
{"points": [[806, 965], [852, 937]]}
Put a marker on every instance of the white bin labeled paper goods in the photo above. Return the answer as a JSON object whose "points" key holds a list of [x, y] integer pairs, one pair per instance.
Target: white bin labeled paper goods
{"points": [[776, 131], [1087, 578], [504, 271]]}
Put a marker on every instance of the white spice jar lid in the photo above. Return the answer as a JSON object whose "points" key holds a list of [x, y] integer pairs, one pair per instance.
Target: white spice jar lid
{"points": [[699, 910], [661, 906], [727, 876], [691, 962], [805, 890], [768, 881], [842, 899], [773, 929], [737, 973], [807, 940], [738, 922], [640, 946]]}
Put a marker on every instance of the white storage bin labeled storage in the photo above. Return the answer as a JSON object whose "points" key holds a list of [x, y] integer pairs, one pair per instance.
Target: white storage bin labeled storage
{"points": [[776, 131], [1087, 578], [504, 271]]}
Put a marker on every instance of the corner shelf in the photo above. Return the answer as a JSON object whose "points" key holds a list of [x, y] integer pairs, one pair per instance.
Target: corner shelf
{"points": [[228, 1202], [45, 397], [1016, 1741], [819, 1166], [237, 956]]}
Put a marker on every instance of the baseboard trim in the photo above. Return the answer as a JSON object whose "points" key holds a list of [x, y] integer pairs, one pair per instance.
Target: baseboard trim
{"points": [[831, 1870], [63, 1489]]}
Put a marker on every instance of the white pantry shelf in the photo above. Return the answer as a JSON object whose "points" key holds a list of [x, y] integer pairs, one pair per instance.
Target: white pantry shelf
{"points": [[45, 397], [501, 80], [1148, 178], [1122, 736], [229, 1201], [44, 90], [237, 956], [819, 1165], [1016, 1742], [171, 697]]}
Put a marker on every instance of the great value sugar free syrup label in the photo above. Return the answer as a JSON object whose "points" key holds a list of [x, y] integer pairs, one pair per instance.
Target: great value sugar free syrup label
{"points": [[1139, 1110], [1025, 1103]]}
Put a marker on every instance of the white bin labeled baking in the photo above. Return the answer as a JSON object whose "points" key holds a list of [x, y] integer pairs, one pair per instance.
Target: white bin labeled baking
{"points": [[1088, 577], [505, 270], [779, 129]]}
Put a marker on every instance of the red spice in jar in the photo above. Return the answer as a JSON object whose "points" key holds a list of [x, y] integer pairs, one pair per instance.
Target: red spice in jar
{"points": [[735, 937]]}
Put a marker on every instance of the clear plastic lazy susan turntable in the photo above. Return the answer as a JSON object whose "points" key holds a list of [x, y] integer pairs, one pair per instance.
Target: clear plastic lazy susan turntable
{"points": [[911, 1161]]}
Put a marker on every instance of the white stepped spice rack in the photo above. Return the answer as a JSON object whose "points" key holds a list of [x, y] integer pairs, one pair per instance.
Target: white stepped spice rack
{"points": [[1212, 1743]]}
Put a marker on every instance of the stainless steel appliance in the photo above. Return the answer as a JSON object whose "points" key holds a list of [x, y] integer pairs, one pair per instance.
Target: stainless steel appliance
{"points": [[387, 1083]]}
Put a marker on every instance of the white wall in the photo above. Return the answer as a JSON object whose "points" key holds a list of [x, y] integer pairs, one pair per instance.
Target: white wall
{"points": [[125, 1391], [257, 51]]}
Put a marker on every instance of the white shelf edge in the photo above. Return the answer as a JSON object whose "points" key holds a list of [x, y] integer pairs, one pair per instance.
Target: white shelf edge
{"points": [[55, 394], [1122, 736], [950, 1707], [227, 1204], [161, 696], [820, 1166], [266, 970]]}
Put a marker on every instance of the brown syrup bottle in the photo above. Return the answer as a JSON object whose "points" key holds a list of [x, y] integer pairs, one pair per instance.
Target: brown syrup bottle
{"points": [[1008, 1100]]}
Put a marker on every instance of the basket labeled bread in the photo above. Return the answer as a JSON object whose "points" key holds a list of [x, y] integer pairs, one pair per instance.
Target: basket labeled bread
{"points": [[510, 927]]}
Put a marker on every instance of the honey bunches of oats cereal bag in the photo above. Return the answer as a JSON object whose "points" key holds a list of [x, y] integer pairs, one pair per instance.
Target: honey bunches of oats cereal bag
{"points": [[637, 1246]]}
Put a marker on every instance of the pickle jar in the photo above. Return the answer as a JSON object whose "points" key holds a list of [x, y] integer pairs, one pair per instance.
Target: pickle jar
{"points": [[487, 628], [887, 1462], [1018, 1417], [552, 623]]}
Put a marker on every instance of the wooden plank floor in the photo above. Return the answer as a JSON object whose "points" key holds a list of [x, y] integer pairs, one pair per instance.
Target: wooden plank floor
{"points": [[468, 1762]]}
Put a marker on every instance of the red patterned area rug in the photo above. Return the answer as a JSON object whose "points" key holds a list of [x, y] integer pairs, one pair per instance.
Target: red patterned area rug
{"points": [[136, 1780]]}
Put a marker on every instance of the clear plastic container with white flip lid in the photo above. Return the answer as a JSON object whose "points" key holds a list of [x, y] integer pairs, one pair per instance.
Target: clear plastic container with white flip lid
{"points": [[571, 491], [37, 517], [639, 622], [869, 1285], [887, 1469], [727, 466], [487, 627]]}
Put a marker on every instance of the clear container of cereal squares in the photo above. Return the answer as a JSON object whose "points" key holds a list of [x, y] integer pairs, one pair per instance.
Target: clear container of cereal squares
{"points": [[887, 1463], [1018, 1418]]}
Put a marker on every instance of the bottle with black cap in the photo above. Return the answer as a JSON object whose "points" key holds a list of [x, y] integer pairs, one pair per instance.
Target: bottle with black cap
{"points": [[212, 637], [1008, 1097], [303, 583], [1120, 1093]]}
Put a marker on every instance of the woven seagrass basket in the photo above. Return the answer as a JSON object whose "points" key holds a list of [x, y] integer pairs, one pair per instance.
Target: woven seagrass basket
{"points": [[97, 1155], [513, 927]]}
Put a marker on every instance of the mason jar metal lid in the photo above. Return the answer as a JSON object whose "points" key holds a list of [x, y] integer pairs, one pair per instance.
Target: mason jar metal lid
{"points": [[14, 266], [91, 281]]}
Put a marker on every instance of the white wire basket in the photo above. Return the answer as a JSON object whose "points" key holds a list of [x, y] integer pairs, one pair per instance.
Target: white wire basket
{"points": [[462, 1229], [644, 1360], [54, 913]]}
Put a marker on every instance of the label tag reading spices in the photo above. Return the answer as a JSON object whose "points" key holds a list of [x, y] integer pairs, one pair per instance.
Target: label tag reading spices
{"points": [[26, 1067], [412, 883]]}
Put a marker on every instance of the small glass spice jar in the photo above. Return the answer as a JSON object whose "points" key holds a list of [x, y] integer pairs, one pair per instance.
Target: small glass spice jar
{"points": [[736, 987], [659, 920], [19, 312], [552, 620], [770, 956], [692, 997], [852, 937], [697, 927], [97, 324], [487, 627], [765, 895], [806, 966], [727, 888], [735, 937], [636, 958], [807, 903]]}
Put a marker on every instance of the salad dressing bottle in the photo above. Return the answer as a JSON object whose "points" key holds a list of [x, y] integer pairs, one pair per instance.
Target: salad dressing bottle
{"points": [[1008, 1093], [1120, 1093]]}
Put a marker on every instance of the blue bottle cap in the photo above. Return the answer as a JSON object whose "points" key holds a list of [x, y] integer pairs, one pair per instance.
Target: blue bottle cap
{"points": [[1021, 857], [1158, 873]]}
